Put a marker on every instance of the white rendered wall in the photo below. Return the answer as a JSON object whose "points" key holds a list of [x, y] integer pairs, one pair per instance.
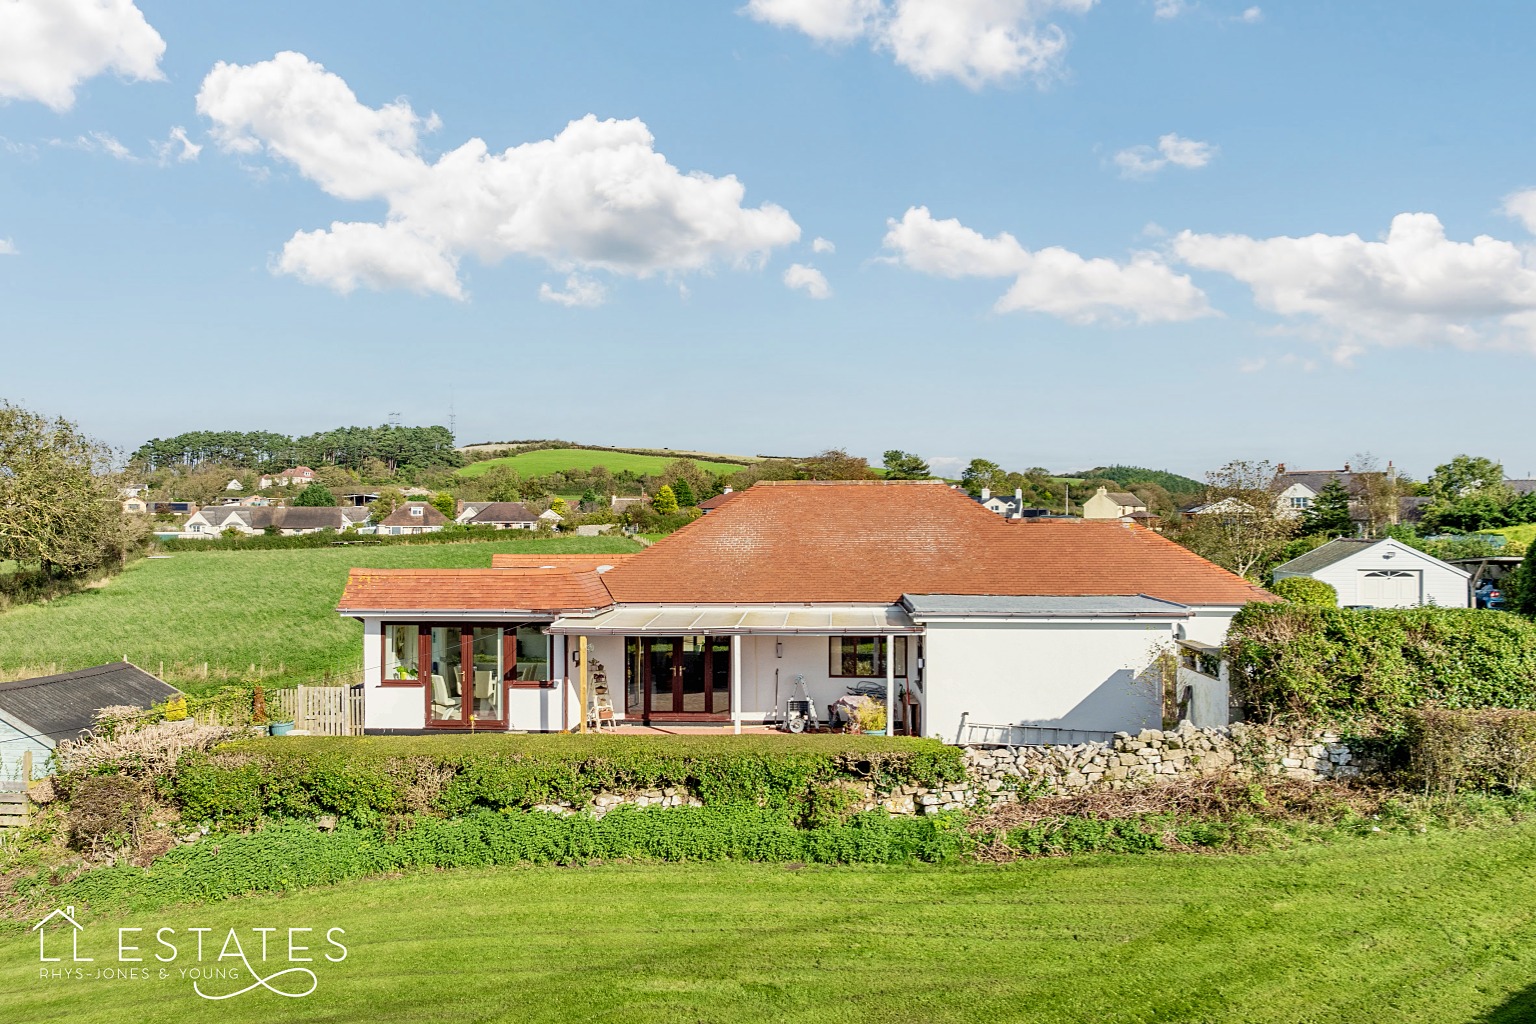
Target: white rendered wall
{"points": [[387, 707], [1442, 585], [1052, 674]]}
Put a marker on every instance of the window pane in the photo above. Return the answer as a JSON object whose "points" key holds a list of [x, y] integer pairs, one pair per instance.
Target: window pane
{"points": [[447, 675], [401, 653], [901, 656], [485, 651], [532, 655]]}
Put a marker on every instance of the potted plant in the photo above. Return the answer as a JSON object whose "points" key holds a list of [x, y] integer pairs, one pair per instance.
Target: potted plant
{"points": [[870, 717], [259, 715]]}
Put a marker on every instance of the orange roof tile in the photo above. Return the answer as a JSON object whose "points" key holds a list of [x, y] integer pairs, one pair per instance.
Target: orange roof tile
{"points": [[491, 590], [872, 541], [571, 563]]}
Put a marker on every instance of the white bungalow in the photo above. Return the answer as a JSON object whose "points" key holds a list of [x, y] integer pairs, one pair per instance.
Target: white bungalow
{"points": [[959, 618]]}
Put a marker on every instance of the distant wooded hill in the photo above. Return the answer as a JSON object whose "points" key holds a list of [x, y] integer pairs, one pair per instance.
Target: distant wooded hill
{"points": [[1127, 476]]}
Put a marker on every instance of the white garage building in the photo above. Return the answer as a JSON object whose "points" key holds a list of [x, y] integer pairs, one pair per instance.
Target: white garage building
{"points": [[1381, 574]]}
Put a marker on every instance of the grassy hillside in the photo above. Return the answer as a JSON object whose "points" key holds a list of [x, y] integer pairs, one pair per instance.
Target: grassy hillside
{"points": [[1404, 928], [555, 460], [232, 610], [1127, 476]]}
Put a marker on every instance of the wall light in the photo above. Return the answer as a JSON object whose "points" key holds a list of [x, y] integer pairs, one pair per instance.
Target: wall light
{"points": [[778, 648]]}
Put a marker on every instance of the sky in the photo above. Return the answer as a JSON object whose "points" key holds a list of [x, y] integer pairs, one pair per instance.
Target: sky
{"points": [[1062, 233]]}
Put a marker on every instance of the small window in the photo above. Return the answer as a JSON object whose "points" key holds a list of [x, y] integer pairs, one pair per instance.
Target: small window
{"points": [[401, 652], [197, 527], [863, 657], [416, 510]]}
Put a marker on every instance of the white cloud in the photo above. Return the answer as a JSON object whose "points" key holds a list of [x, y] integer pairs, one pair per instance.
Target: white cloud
{"points": [[1053, 280], [808, 279], [97, 142], [1144, 161], [822, 245], [976, 42], [1169, 8], [579, 291], [48, 47], [176, 148], [596, 196], [1414, 287], [7, 247], [1522, 206], [1252, 15]]}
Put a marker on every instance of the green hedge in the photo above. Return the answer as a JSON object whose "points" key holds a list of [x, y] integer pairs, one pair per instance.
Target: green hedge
{"points": [[366, 779], [1305, 590], [1336, 664], [294, 855], [1479, 750]]}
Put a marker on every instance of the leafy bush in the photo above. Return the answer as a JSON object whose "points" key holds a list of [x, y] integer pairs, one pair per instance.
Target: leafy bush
{"points": [[1485, 750], [368, 778], [292, 855], [1305, 590], [1335, 664], [105, 812]]}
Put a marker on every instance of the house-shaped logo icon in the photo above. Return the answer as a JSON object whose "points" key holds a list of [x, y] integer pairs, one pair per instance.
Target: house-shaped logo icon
{"points": [[67, 914]]}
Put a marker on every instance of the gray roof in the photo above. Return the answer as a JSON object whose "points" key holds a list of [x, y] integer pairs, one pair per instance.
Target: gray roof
{"points": [[501, 512], [1521, 486], [61, 706], [1317, 479], [1328, 554], [1129, 606], [1125, 498]]}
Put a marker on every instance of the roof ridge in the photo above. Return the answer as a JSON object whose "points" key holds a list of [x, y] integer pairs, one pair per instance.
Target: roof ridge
{"points": [[840, 483]]}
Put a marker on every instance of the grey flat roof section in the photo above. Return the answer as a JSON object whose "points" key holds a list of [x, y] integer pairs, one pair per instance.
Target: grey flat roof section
{"points": [[61, 706], [725, 620], [940, 606]]}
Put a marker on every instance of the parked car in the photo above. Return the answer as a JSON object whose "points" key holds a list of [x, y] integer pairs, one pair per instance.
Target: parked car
{"points": [[1488, 596]]}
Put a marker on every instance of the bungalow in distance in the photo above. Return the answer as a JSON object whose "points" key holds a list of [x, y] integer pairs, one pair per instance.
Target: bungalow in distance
{"points": [[960, 616]]}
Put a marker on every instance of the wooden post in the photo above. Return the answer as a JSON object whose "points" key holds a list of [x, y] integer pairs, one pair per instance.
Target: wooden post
{"points": [[26, 768], [581, 655]]}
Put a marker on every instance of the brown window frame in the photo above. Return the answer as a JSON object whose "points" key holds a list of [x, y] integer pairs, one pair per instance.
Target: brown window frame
{"points": [[902, 658], [384, 680]]}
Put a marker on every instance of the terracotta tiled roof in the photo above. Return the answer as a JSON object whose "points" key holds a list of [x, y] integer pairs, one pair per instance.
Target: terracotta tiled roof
{"points": [[570, 563], [495, 590], [873, 541]]}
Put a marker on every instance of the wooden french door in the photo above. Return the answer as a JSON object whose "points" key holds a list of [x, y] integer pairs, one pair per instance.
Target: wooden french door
{"points": [[465, 678], [685, 677]]}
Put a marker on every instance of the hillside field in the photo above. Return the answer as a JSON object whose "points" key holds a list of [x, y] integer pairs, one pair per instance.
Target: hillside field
{"points": [[556, 460], [232, 610], [1411, 929]]}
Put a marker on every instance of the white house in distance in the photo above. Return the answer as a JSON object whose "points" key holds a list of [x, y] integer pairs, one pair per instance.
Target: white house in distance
{"points": [[289, 522], [1381, 574], [960, 617]]}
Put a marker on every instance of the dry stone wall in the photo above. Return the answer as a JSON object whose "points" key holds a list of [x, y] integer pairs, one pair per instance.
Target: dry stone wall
{"points": [[1146, 758]]}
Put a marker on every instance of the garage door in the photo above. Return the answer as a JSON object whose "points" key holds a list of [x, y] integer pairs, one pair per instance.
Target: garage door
{"points": [[1389, 588]]}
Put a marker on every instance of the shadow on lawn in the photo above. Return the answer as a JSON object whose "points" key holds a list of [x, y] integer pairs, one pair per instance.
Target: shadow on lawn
{"points": [[1520, 1008]]}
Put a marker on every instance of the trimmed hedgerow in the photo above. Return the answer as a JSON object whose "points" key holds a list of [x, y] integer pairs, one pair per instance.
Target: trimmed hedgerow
{"points": [[366, 779], [1452, 750], [1306, 590], [294, 855], [1295, 661]]}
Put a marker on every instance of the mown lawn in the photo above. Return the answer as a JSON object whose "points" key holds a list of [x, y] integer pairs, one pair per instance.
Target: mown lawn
{"points": [[555, 460], [233, 609], [1437, 928]]}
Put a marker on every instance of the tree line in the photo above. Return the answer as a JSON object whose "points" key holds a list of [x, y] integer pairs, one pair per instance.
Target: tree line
{"points": [[385, 449]]}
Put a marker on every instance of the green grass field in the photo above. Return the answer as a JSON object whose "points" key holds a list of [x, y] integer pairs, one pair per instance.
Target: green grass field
{"points": [[554, 460], [1433, 929], [232, 609]]}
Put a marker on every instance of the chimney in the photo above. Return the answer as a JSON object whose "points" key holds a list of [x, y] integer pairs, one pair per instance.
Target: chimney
{"points": [[1018, 496], [1280, 468], [986, 493], [727, 490], [1346, 467]]}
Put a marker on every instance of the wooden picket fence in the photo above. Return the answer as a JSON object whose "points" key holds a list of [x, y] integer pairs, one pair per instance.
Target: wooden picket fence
{"points": [[13, 805], [318, 710]]}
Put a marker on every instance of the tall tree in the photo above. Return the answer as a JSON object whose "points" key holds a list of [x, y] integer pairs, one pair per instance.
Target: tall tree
{"points": [[684, 493], [1243, 529], [1329, 513], [665, 501], [900, 465], [1464, 475], [982, 473], [445, 503], [315, 496], [58, 503]]}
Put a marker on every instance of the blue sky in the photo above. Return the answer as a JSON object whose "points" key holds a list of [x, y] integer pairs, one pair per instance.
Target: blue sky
{"points": [[1197, 199]]}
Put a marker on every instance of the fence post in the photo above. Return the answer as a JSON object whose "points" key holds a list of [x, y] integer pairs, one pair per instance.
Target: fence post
{"points": [[26, 767]]}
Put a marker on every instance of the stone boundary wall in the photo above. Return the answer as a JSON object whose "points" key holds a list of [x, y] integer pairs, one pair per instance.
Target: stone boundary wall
{"points": [[1130, 761]]}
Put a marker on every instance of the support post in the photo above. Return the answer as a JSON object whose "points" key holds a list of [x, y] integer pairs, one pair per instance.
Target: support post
{"points": [[736, 684], [890, 685], [581, 655], [26, 768]]}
